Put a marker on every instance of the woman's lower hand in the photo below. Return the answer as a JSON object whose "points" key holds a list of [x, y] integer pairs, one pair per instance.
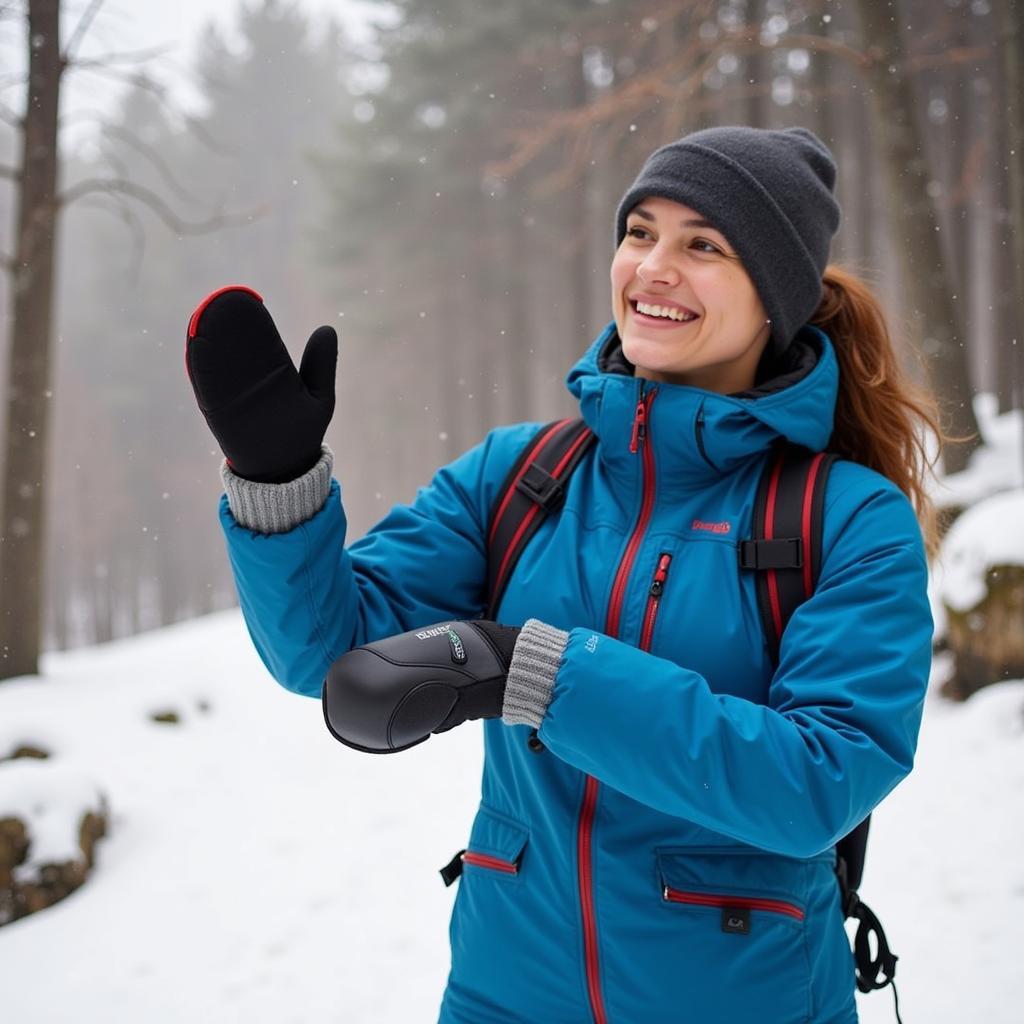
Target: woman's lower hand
{"points": [[391, 694]]}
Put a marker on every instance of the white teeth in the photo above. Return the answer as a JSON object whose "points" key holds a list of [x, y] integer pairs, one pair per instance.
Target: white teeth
{"points": [[665, 311]]}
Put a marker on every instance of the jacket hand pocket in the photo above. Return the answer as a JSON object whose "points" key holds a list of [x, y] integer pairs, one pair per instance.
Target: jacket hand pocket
{"points": [[739, 915], [496, 847]]}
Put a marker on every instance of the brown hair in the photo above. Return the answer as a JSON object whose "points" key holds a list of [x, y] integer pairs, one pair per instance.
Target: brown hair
{"points": [[881, 416]]}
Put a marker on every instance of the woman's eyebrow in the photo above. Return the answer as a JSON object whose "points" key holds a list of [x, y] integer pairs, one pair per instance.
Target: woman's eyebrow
{"points": [[695, 222]]}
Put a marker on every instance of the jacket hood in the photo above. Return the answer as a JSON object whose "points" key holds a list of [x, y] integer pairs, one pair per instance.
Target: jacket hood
{"points": [[699, 434]]}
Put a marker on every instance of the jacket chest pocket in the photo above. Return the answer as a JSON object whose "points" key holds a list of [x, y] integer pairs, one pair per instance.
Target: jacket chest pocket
{"points": [[699, 611]]}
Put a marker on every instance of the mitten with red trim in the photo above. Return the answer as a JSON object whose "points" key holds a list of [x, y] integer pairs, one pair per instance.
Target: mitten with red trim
{"points": [[268, 418]]}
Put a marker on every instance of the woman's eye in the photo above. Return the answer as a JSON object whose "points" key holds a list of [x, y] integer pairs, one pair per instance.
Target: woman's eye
{"points": [[641, 233]]}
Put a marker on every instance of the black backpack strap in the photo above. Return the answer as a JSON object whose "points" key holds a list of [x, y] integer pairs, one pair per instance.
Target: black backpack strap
{"points": [[851, 852], [872, 972], [785, 551], [533, 489], [785, 546]]}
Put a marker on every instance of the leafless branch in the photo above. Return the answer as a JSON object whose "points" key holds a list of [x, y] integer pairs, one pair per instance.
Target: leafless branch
{"points": [[131, 220], [198, 129], [635, 94], [9, 116], [80, 29], [128, 75], [118, 166], [543, 128], [131, 140], [597, 30], [156, 205], [194, 125], [125, 57], [956, 55]]}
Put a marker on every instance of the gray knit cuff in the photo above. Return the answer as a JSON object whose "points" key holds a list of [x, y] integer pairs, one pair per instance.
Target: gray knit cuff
{"points": [[277, 508], [531, 676]]}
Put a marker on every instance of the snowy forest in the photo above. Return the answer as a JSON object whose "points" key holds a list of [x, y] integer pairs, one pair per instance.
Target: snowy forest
{"points": [[444, 198], [439, 186]]}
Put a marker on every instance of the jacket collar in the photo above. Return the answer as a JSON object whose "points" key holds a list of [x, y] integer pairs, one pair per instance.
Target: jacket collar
{"points": [[700, 436]]}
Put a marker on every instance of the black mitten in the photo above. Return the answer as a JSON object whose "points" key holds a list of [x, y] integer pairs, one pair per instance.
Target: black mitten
{"points": [[392, 694], [268, 418]]}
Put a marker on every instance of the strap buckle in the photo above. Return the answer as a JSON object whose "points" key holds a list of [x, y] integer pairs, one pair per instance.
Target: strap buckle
{"points": [[451, 871], [542, 488], [778, 553]]}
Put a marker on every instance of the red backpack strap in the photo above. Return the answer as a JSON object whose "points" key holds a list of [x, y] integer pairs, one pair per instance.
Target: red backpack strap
{"points": [[785, 546], [533, 489]]}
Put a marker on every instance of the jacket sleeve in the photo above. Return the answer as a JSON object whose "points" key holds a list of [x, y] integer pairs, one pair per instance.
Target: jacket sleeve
{"points": [[839, 729], [307, 598]]}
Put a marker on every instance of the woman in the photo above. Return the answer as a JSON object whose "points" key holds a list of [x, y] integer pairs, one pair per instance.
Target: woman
{"points": [[678, 767]]}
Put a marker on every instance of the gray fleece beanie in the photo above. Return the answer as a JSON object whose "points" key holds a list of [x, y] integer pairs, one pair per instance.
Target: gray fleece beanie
{"points": [[770, 193]]}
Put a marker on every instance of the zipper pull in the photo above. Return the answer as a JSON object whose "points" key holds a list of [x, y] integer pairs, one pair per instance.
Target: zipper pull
{"points": [[639, 427], [658, 583]]}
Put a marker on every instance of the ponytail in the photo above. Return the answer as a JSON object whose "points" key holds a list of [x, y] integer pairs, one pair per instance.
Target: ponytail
{"points": [[881, 417]]}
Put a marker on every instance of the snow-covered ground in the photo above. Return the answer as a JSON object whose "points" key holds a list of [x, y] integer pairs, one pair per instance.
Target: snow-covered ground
{"points": [[259, 871]]}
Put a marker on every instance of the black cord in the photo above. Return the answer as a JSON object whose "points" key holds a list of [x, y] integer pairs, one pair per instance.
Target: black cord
{"points": [[896, 1002]]}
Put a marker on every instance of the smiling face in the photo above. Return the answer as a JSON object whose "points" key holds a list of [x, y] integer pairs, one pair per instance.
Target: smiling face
{"points": [[686, 310]]}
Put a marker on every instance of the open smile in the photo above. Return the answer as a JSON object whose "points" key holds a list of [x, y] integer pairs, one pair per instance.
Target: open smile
{"points": [[652, 315]]}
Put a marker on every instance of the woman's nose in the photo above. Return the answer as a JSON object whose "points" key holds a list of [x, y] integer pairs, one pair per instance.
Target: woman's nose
{"points": [[655, 268]]}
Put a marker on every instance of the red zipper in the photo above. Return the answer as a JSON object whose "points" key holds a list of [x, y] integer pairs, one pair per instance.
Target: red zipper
{"points": [[587, 899], [482, 860], [703, 899], [638, 441], [653, 600], [643, 412], [639, 425]]}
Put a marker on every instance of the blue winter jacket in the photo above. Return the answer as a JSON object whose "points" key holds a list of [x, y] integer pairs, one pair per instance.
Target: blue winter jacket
{"points": [[669, 856]]}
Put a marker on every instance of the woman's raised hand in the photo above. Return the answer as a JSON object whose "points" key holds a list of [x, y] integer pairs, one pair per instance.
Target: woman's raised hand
{"points": [[268, 418]]}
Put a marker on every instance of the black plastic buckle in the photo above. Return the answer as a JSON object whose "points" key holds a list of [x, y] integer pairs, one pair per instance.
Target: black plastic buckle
{"points": [[452, 869], [778, 553], [541, 487]]}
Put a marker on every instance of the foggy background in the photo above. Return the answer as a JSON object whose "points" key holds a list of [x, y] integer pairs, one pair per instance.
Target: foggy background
{"points": [[438, 181]]}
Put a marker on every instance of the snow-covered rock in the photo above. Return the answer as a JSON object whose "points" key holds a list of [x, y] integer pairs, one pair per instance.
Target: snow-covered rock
{"points": [[51, 816], [998, 465], [982, 592]]}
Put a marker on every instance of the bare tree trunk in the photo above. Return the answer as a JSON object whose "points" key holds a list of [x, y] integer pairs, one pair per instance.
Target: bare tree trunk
{"points": [[757, 74], [28, 382], [515, 356], [1013, 66], [915, 227], [1003, 286], [574, 204]]}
